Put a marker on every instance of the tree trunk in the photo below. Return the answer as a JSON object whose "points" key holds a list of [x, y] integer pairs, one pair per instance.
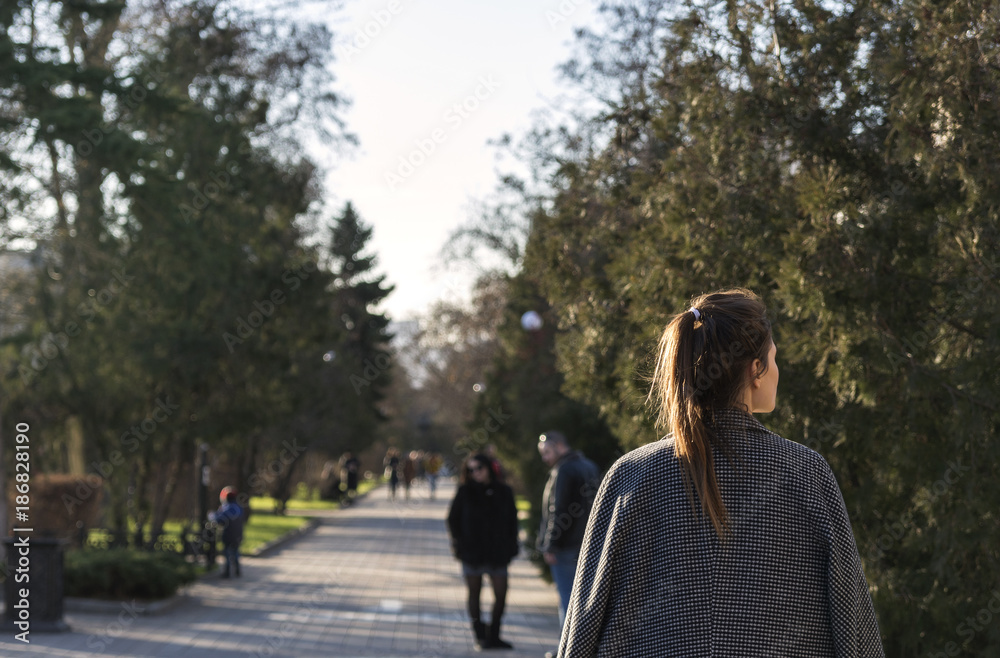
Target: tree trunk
{"points": [[282, 488], [164, 494]]}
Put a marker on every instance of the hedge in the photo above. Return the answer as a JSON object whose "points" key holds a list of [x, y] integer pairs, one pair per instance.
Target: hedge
{"points": [[123, 574]]}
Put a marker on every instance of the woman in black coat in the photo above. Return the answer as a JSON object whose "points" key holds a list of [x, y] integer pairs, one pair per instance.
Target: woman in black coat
{"points": [[483, 526]]}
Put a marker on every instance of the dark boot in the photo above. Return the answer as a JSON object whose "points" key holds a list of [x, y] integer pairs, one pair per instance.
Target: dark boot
{"points": [[479, 630], [494, 641]]}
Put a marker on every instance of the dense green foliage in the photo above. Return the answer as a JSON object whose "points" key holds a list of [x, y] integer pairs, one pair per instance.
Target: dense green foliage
{"points": [[181, 291], [524, 392], [840, 160], [124, 574]]}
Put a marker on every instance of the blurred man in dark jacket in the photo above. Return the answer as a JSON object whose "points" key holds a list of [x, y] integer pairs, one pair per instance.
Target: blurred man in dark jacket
{"points": [[569, 495], [229, 517]]}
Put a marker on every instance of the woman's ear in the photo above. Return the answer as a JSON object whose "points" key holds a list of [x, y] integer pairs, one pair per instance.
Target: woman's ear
{"points": [[752, 371]]}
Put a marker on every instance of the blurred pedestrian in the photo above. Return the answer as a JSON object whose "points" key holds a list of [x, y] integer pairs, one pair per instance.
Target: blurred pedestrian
{"points": [[419, 459], [482, 521], [330, 482], [391, 464], [432, 467], [349, 468], [723, 538], [566, 502], [409, 471], [490, 451], [229, 517]]}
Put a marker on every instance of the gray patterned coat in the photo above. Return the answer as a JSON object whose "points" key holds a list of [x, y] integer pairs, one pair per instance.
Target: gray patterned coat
{"points": [[654, 579]]}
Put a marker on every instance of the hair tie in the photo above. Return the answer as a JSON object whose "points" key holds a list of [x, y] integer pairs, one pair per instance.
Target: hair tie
{"points": [[697, 313]]}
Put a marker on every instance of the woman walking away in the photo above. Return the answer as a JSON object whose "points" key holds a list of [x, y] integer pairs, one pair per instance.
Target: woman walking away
{"points": [[391, 463], [483, 526], [722, 539]]}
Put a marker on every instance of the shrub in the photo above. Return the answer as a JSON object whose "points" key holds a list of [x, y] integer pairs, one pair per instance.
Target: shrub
{"points": [[122, 573], [63, 504]]}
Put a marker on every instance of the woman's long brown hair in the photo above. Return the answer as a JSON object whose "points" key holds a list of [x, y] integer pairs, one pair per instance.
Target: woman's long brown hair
{"points": [[702, 365]]}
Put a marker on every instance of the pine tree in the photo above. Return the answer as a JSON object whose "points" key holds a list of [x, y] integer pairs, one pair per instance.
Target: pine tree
{"points": [[363, 357]]}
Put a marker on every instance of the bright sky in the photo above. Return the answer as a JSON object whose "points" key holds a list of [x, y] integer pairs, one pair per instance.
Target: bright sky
{"points": [[431, 83]]}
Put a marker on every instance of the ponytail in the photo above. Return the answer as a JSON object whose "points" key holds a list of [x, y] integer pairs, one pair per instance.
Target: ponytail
{"points": [[701, 365]]}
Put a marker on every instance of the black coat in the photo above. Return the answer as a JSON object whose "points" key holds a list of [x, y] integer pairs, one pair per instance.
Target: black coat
{"points": [[566, 503], [482, 521]]}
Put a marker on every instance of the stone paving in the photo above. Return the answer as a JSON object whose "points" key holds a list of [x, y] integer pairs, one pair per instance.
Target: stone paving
{"points": [[376, 579]]}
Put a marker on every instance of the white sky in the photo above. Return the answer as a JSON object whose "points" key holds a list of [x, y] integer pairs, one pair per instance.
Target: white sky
{"points": [[405, 82]]}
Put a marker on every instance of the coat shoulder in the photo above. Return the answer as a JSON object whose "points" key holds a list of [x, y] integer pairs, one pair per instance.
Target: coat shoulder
{"points": [[801, 458], [642, 465]]}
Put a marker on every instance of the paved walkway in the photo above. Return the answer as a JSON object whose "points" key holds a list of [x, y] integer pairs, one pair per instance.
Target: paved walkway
{"points": [[377, 579]]}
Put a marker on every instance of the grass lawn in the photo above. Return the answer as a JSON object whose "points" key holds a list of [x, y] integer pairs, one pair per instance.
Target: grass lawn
{"points": [[266, 527], [263, 527], [265, 505], [367, 485], [301, 501], [523, 511]]}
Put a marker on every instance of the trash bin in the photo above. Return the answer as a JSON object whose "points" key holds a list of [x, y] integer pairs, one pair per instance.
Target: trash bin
{"points": [[41, 562]]}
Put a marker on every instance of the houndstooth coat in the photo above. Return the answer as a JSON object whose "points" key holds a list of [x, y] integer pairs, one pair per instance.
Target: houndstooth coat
{"points": [[654, 580]]}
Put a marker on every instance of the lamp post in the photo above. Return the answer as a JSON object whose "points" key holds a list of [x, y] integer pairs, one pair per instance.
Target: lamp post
{"points": [[3, 508], [203, 475]]}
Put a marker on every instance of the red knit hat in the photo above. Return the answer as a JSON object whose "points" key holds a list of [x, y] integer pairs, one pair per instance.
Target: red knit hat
{"points": [[224, 494]]}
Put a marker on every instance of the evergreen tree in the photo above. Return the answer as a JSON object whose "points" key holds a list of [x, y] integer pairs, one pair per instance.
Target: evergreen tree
{"points": [[835, 159], [524, 397], [363, 356], [176, 279]]}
